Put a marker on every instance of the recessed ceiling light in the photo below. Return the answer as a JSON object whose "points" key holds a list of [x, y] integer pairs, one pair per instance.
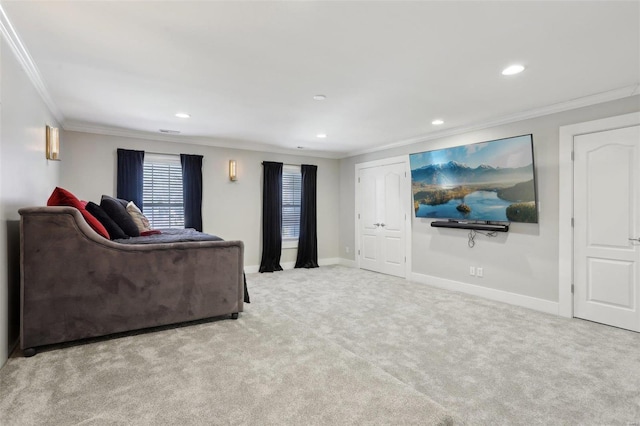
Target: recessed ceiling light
{"points": [[170, 132], [319, 97], [513, 69], [437, 122], [182, 115], [321, 135]]}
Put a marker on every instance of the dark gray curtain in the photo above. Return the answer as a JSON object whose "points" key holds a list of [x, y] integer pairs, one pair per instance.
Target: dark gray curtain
{"points": [[129, 179], [192, 190], [308, 239], [271, 217]]}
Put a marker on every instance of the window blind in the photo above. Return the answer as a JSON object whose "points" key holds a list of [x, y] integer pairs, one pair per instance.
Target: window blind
{"points": [[291, 195], [162, 196]]}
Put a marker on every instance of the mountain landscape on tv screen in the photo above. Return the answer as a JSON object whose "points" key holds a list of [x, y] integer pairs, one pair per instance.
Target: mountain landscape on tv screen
{"points": [[454, 173], [456, 191]]}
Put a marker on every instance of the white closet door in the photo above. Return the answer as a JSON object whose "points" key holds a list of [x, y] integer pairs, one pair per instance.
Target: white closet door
{"points": [[607, 227], [382, 221]]}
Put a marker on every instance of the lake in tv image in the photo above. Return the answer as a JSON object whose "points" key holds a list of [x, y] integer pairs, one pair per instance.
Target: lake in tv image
{"points": [[488, 181], [484, 204]]}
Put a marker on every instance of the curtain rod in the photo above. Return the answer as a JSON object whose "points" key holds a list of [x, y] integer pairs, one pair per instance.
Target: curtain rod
{"points": [[284, 164]]}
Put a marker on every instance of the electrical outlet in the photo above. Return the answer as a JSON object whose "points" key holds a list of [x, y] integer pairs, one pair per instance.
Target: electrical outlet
{"points": [[472, 270], [479, 272]]}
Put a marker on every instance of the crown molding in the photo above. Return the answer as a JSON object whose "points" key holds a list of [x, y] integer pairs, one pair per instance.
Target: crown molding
{"points": [[585, 101], [27, 63], [195, 140], [611, 95]]}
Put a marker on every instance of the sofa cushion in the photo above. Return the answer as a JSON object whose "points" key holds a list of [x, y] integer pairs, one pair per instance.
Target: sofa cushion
{"points": [[115, 232], [140, 220], [118, 213], [62, 197]]}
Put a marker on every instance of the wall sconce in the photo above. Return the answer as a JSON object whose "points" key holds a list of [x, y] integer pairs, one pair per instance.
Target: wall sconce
{"points": [[232, 170], [53, 144]]}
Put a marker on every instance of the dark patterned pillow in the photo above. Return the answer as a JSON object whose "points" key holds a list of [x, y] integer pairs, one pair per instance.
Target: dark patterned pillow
{"points": [[118, 213], [115, 232]]}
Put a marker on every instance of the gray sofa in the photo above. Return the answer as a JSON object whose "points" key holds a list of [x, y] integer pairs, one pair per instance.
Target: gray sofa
{"points": [[76, 284]]}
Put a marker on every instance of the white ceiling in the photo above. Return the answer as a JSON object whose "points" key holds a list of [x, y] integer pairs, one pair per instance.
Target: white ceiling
{"points": [[247, 71]]}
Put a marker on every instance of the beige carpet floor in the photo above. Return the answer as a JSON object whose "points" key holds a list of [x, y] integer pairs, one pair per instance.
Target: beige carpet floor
{"points": [[336, 345]]}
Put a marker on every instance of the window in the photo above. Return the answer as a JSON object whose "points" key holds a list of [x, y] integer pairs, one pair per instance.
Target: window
{"points": [[162, 199], [291, 190]]}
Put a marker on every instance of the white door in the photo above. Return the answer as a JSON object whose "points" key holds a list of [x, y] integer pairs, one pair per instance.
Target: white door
{"points": [[382, 218], [607, 227]]}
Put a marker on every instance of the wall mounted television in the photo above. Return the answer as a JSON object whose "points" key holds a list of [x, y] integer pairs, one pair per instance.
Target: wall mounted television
{"points": [[490, 182]]}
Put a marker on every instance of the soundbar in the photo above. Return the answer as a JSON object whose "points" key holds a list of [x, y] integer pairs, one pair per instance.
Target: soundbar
{"points": [[498, 227]]}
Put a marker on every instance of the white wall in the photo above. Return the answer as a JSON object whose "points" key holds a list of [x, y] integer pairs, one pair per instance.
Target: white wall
{"points": [[231, 210], [523, 261], [26, 179]]}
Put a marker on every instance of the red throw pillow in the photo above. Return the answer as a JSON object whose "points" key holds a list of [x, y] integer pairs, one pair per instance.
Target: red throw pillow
{"points": [[62, 197]]}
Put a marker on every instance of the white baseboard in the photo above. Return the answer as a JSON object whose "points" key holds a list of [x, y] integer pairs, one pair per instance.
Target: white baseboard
{"points": [[329, 261], [348, 263], [534, 303], [289, 265]]}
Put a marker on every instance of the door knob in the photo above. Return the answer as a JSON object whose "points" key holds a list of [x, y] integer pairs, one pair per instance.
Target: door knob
{"points": [[630, 239], [382, 224], [376, 224]]}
